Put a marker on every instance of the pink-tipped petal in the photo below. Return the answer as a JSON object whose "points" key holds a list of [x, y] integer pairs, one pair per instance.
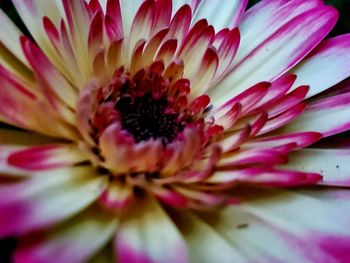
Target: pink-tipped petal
{"points": [[9, 37], [141, 238], [302, 139], [86, 234], [317, 72], [52, 77], [302, 228], [332, 112], [46, 199], [45, 157], [283, 49], [122, 155], [214, 246], [221, 14], [332, 164], [113, 20], [117, 197]]}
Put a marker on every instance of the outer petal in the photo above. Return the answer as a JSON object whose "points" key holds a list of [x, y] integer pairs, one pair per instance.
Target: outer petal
{"points": [[49, 74], [9, 37], [192, 3], [19, 161], [300, 225], [45, 157], [317, 71], [333, 164], [266, 17], [332, 113], [32, 13], [74, 241], [24, 108], [128, 10], [221, 14], [46, 199], [147, 235], [205, 244], [279, 52]]}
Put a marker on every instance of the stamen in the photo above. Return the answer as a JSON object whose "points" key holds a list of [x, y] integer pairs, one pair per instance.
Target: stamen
{"points": [[145, 117]]}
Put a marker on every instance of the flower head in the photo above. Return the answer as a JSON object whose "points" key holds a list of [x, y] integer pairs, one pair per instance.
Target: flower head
{"points": [[171, 130]]}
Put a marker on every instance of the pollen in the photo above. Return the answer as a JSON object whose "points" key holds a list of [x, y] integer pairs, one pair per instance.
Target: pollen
{"points": [[145, 117]]}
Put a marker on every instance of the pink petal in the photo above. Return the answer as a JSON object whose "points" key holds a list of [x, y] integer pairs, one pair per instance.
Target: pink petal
{"points": [[302, 139], [332, 164], [47, 198], [214, 247], [9, 36], [222, 14], [70, 242], [282, 49], [45, 157], [123, 155], [113, 20], [317, 72], [265, 176], [180, 23], [297, 224], [141, 236], [333, 112], [23, 108], [48, 73]]}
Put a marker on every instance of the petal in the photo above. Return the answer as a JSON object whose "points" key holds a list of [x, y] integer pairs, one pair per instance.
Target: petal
{"points": [[45, 70], [253, 156], [302, 140], [221, 14], [193, 4], [332, 164], [46, 157], [284, 118], [24, 108], [123, 155], [47, 198], [146, 234], [118, 196], [113, 20], [32, 13], [317, 72], [205, 244], [180, 23], [265, 18], [142, 24], [202, 77], [9, 37], [264, 176], [283, 223], [226, 52], [128, 10], [332, 112], [278, 53], [77, 232]]}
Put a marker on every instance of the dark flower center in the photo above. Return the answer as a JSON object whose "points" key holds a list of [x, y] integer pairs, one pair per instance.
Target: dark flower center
{"points": [[145, 117]]}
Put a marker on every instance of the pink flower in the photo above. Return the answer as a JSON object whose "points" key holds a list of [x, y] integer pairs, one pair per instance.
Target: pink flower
{"points": [[174, 131]]}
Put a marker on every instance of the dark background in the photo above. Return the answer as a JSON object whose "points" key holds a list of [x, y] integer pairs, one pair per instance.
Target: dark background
{"points": [[343, 26]]}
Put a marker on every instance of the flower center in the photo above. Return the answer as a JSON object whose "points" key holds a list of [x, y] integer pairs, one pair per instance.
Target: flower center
{"points": [[145, 117]]}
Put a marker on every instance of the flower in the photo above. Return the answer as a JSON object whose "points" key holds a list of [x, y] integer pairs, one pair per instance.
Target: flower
{"points": [[174, 131]]}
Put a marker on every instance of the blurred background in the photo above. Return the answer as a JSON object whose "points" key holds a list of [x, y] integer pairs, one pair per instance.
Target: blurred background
{"points": [[343, 26]]}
